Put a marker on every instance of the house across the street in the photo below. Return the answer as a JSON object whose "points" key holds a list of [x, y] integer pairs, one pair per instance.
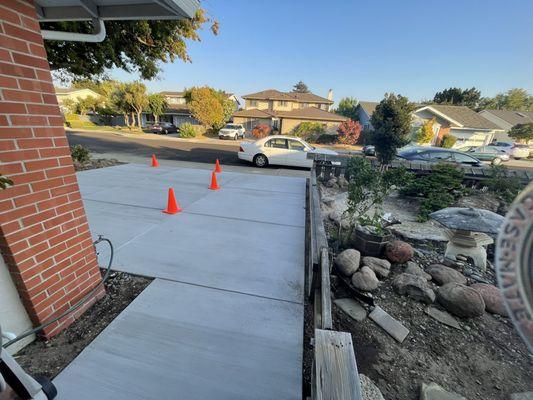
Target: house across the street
{"points": [[284, 111], [178, 111], [73, 94], [365, 109], [470, 128], [506, 119]]}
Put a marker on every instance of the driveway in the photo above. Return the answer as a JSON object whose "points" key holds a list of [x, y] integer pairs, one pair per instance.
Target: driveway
{"points": [[224, 316]]}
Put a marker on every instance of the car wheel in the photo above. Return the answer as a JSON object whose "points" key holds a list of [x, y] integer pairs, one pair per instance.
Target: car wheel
{"points": [[497, 161], [236, 137], [260, 160]]}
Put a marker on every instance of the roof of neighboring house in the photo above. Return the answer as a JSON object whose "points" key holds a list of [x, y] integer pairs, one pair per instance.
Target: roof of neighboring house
{"points": [[167, 93], [272, 94], [512, 117], [311, 113], [70, 90], [368, 106], [461, 115], [177, 108]]}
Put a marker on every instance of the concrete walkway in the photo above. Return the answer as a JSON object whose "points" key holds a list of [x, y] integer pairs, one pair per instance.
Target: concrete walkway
{"points": [[224, 317]]}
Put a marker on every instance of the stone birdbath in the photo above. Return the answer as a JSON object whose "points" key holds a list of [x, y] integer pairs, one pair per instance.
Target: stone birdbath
{"points": [[467, 231]]}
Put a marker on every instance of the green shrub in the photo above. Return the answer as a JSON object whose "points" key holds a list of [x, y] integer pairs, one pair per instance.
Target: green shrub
{"points": [[438, 189], [309, 130], [326, 138], [448, 141], [503, 186], [80, 154], [187, 131]]}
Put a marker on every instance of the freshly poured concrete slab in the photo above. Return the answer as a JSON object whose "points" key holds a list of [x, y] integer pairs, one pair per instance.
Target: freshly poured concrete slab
{"points": [[262, 259], [269, 183], [178, 341], [255, 205]]}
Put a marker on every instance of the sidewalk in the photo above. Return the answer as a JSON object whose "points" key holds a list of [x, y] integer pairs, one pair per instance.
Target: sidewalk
{"points": [[153, 136], [223, 318]]}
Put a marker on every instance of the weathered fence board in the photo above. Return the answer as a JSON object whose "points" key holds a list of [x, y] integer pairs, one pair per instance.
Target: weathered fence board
{"points": [[335, 375]]}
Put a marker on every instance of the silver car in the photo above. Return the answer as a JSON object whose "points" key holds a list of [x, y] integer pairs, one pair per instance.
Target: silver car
{"points": [[232, 131]]}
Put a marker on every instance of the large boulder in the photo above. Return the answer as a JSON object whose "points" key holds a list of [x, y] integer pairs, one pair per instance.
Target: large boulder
{"points": [[380, 267], [432, 391], [398, 251], [365, 279], [413, 269], [348, 261], [338, 217], [414, 286], [461, 300], [443, 274], [369, 390], [492, 297]]}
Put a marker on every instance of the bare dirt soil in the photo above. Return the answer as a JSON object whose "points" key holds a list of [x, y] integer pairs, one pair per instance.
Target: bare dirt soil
{"points": [[96, 163], [49, 358], [486, 359]]}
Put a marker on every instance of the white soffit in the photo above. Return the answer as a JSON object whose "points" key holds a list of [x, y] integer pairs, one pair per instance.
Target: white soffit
{"points": [[78, 10]]}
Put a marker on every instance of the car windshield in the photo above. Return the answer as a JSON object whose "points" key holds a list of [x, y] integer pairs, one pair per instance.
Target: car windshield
{"points": [[231, 126]]}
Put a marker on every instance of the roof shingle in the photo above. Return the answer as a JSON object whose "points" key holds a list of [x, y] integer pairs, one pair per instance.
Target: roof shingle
{"points": [[272, 94], [464, 116], [513, 117]]}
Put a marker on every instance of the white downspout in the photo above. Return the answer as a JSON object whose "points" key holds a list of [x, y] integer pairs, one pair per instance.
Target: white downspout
{"points": [[97, 36]]}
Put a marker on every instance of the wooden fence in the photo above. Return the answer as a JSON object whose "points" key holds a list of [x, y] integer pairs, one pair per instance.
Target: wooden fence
{"points": [[330, 166], [335, 375]]}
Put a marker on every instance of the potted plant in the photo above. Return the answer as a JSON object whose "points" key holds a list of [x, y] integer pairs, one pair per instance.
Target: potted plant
{"points": [[368, 188]]}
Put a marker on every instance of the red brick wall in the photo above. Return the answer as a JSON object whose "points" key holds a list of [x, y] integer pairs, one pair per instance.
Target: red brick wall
{"points": [[44, 235]]}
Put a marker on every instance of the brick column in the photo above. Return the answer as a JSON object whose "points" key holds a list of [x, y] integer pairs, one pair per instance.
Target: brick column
{"points": [[44, 235]]}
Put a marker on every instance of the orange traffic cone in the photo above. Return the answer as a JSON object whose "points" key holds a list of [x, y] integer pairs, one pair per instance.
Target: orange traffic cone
{"points": [[154, 161], [172, 205], [214, 184], [217, 167]]}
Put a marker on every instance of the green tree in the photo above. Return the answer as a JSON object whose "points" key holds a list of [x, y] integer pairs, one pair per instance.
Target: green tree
{"points": [[348, 108], [135, 97], [86, 104], [134, 46], [206, 107], [459, 97], [228, 107], [514, 99], [157, 104], [309, 130], [425, 133], [300, 87], [522, 132], [392, 126]]}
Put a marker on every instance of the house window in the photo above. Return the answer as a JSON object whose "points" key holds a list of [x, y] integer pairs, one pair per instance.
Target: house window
{"points": [[283, 103], [304, 105], [253, 103]]}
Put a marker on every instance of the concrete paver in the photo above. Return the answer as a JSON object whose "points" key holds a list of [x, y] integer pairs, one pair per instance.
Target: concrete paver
{"points": [[224, 317]]}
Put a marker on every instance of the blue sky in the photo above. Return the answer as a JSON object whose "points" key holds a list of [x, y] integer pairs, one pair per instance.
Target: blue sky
{"points": [[360, 48]]}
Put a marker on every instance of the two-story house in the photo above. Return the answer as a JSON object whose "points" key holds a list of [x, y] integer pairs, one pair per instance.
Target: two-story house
{"points": [[178, 111], [284, 111]]}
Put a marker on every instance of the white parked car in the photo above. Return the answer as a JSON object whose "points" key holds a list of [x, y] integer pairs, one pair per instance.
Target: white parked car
{"points": [[280, 150], [232, 131], [515, 150]]}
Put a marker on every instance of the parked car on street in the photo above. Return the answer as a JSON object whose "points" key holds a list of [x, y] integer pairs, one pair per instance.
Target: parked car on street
{"points": [[280, 150], [232, 131], [438, 155], [487, 153], [369, 150], [164, 128], [515, 150]]}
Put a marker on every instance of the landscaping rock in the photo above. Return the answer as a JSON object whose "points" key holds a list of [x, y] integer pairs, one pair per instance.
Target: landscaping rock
{"points": [[369, 389], [461, 300], [343, 182], [365, 279], [492, 297], [398, 251], [380, 267], [352, 308], [348, 261], [432, 391], [514, 396], [337, 217], [443, 317], [328, 201], [443, 274], [414, 286], [414, 269], [332, 183]]}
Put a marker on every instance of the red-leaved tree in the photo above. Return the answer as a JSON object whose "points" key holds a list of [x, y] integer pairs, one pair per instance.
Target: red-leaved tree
{"points": [[261, 131], [349, 132]]}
